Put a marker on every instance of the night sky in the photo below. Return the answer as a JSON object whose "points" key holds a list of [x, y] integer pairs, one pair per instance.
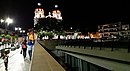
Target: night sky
{"points": [[85, 15]]}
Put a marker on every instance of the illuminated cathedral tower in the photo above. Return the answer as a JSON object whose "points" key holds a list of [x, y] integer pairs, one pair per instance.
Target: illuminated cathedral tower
{"points": [[56, 13], [39, 13]]}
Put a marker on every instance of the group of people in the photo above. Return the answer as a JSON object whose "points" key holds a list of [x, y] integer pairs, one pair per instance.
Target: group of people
{"points": [[25, 45]]}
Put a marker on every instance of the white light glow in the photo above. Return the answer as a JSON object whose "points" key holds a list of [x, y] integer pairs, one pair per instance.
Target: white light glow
{"points": [[8, 20], [19, 28], [39, 4], [56, 6], [1, 20], [23, 31], [16, 28]]}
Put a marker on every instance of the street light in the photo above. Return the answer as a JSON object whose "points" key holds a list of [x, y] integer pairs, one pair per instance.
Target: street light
{"points": [[8, 21], [39, 4], [1, 20], [22, 31], [56, 6], [71, 28], [17, 29]]}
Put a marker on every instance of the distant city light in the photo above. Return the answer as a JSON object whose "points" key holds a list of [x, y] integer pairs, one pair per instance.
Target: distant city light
{"points": [[71, 28], [9, 20], [39, 4], [19, 28], [23, 31], [56, 6], [16, 28], [1, 20]]}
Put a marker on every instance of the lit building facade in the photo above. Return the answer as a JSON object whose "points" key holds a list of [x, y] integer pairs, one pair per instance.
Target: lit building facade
{"points": [[109, 30], [114, 30], [57, 14], [39, 13], [125, 32]]}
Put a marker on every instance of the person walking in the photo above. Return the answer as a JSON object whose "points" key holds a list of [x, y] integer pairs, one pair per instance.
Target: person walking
{"points": [[24, 48], [5, 58], [30, 47]]}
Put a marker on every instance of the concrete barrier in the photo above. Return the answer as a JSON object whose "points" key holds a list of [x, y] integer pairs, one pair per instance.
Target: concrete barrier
{"points": [[43, 61]]}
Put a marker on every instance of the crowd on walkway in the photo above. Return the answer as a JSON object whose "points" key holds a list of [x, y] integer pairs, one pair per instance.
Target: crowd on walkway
{"points": [[26, 46]]}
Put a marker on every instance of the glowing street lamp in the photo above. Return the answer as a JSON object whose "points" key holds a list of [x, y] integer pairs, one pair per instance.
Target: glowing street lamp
{"points": [[22, 31], [8, 21], [71, 28], [1, 20], [16, 28], [56, 6], [39, 4], [19, 28]]}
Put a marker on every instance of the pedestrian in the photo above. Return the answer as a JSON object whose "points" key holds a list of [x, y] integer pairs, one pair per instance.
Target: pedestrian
{"points": [[5, 58], [30, 47], [24, 48]]}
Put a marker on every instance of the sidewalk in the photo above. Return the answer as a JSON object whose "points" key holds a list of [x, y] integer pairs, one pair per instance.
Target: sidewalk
{"points": [[16, 62], [43, 61]]}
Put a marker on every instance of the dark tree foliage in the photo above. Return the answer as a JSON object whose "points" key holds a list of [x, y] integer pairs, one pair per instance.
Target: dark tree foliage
{"points": [[49, 24]]}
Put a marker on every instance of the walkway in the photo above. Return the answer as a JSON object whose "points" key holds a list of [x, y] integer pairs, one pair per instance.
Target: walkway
{"points": [[43, 61], [16, 62]]}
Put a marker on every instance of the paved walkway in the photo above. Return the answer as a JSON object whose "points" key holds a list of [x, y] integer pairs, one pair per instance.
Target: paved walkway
{"points": [[43, 61], [16, 62]]}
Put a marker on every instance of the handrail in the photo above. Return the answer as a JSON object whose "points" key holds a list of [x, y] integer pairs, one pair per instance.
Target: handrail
{"points": [[101, 45]]}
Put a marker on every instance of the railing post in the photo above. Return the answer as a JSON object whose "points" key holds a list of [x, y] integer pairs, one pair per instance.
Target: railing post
{"points": [[101, 44], [112, 45], [92, 45], [84, 46], [128, 46]]}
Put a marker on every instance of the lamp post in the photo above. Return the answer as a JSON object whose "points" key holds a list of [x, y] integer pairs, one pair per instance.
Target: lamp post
{"points": [[17, 33], [8, 21], [1, 20], [17, 30]]}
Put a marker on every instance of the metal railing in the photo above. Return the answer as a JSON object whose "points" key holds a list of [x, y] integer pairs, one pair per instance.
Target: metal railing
{"points": [[101, 45]]}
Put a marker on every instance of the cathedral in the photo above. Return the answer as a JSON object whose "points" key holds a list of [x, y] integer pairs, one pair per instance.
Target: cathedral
{"points": [[39, 13]]}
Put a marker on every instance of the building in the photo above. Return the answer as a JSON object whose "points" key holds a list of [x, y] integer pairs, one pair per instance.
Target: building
{"points": [[39, 13], [110, 31], [125, 32]]}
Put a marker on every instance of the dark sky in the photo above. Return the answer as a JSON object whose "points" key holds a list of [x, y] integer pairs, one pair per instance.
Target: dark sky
{"points": [[85, 14]]}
